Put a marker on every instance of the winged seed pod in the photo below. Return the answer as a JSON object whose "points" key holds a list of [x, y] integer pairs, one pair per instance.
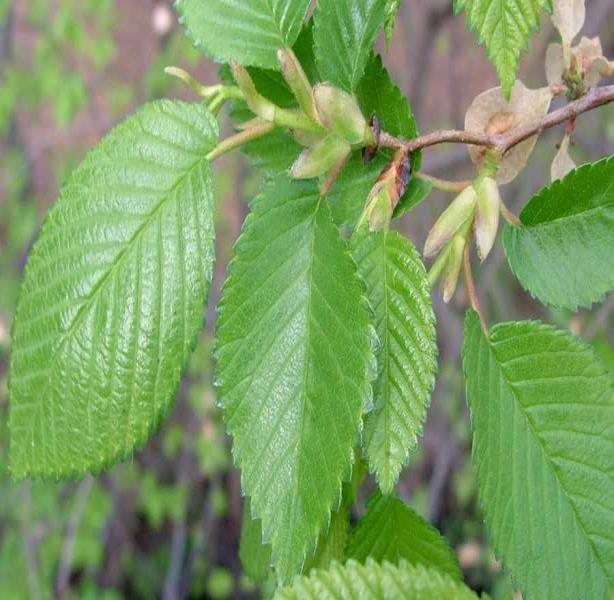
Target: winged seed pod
{"points": [[451, 220], [339, 112], [487, 215], [320, 158]]}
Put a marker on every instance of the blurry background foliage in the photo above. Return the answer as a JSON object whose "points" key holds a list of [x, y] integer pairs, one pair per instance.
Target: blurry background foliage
{"points": [[167, 524]]}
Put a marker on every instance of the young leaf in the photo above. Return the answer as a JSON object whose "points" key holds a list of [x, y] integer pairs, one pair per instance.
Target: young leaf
{"points": [[248, 31], [293, 354], [562, 254], [373, 581], [114, 295], [505, 26], [377, 95], [255, 556], [273, 154], [344, 34], [399, 294], [542, 414], [391, 531]]}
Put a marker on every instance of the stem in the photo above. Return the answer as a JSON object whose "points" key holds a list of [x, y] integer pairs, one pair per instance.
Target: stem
{"points": [[503, 143], [444, 185], [470, 284], [239, 139], [509, 216]]}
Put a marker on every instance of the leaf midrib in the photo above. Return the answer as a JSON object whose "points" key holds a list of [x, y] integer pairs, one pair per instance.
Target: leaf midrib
{"points": [[548, 460], [306, 362]]}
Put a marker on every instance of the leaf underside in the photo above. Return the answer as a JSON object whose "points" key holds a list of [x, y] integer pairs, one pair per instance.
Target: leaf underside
{"points": [[114, 295], [563, 253], [293, 354], [344, 34], [248, 31], [374, 581], [505, 26], [542, 413], [399, 295], [391, 531]]}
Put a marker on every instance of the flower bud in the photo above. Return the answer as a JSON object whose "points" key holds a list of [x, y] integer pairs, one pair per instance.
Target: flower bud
{"points": [[319, 159], [450, 221], [487, 215], [453, 266], [386, 193], [379, 207], [339, 112], [297, 81]]}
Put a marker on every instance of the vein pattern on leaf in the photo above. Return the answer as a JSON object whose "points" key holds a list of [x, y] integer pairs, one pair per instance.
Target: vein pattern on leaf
{"points": [[542, 412], [344, 34], [374, 581], [391, 531], [293, 354], [505, 26], [399, 295], [122, 270], [248, 31], [562, 255]]}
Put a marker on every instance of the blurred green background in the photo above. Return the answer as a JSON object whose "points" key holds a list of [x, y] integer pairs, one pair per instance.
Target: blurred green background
{"points": [[167, 523]]}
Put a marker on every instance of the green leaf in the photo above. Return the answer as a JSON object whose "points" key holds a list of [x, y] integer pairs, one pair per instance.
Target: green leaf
{"points": [[255, 556], [114, 295], [248, 31], [331, 545], [373, 581], [293, 354], [562, 254], [391, 531], [400, 298], [418, 191], [505, 26], [344, 34], [542, 413], [378, 95]]}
